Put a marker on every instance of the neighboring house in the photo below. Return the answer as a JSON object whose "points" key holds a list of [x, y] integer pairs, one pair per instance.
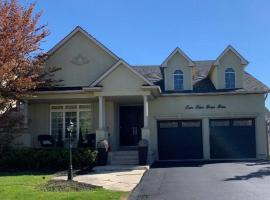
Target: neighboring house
{"points": [[186, 109]]}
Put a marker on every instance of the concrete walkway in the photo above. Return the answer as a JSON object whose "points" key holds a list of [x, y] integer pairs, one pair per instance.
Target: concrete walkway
{"points": [[113, 177]]}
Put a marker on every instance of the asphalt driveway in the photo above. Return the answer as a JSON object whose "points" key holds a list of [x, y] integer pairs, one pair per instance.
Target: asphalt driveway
{"points": [[205, 181]]}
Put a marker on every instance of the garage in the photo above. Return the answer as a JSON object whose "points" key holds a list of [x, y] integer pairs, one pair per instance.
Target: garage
{"points": [[180, 139], [232, 138]]}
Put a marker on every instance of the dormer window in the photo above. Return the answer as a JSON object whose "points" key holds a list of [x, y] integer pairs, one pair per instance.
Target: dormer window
{"points": [[178, 80], [229, 78]]}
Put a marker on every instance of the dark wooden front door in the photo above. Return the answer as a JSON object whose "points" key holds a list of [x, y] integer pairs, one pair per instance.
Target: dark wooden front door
{"points": [[131, 122]]}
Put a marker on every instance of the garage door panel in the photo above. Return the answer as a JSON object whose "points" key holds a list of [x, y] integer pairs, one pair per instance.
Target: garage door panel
{"points": [[181, 141], [165, 137], [232, 138]]}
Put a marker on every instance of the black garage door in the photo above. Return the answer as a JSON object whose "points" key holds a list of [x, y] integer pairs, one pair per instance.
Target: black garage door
{"points": [[232, 138], [180, 140]]}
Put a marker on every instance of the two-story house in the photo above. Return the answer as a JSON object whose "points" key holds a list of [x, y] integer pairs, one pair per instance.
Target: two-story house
{"points": [[186, 109]]}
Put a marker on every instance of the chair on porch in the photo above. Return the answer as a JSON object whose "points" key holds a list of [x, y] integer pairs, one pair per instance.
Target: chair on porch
{"points": [[46, 141]]}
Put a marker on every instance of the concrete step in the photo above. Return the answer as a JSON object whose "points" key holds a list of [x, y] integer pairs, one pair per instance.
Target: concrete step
{"points": [[125, 158], [125, 162], [122, 153]]}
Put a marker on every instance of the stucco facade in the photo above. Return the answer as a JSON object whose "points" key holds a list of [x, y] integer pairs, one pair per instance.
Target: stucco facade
{"points": [[95, 77]]}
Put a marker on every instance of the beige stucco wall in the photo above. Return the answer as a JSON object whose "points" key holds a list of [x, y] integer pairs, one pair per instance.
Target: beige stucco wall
{"points": [[97, 61], [122, 79], [229, 60], [175, 63], [39, 118], [236, 106]]}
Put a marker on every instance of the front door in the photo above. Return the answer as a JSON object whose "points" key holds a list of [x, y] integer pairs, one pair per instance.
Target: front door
{"points": [[131, 122]]}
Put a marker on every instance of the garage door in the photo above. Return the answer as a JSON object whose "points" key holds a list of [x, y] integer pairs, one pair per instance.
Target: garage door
{"points": [[180, 140], [232, 138]]}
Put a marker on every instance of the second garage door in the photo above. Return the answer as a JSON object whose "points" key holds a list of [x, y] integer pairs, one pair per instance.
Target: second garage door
{"points": [[180, 140], [232, 138]]}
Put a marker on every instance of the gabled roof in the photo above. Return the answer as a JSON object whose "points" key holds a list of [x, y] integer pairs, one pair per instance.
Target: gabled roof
{"points": [[200, 80], [230, 48], [110, 70], [177, 50], [90, 37]]}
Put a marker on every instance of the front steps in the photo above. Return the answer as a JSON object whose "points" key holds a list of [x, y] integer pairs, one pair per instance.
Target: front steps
{"points": [[125, 157]]}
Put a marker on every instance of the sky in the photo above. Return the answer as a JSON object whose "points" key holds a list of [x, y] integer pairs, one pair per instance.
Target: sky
{"points": [[146, 31]]}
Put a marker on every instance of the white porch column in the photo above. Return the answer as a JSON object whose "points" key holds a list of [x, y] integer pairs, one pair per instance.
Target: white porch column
{"points": [[145, 130], [101, 112], [206, 138], [101, 133], [145, 109]]}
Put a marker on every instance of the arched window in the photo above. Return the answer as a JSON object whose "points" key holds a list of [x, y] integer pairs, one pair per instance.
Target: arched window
{"points": [[178, 80], [229, 78]]}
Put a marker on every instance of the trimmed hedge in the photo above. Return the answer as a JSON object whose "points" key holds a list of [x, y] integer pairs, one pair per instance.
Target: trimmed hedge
{"points": [[46, 159]]}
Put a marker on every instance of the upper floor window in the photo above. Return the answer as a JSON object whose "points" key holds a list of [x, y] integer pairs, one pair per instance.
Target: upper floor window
{"points": [[178, 80], [229, 78]]}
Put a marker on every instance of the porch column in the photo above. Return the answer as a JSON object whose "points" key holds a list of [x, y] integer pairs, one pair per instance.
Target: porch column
{"points": [[101, 133], [145, 111], [145, 130], [101, 112]]}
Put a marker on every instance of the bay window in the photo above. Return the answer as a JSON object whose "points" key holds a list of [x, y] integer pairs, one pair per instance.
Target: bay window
{"points": [[80, 114]]}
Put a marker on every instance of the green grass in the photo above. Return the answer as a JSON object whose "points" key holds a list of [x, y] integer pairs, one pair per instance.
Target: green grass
{"points": [[25, 186]]}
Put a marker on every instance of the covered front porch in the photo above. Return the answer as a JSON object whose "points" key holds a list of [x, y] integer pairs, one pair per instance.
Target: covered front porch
{"points": [[123, 120]]}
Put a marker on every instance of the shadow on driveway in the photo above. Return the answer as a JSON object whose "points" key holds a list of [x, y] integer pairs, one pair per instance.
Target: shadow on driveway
{"points": [[211, 180], [171, 164], [261, 173]]}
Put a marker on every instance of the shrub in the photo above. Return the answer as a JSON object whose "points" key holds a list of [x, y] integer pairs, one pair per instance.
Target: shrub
{"points": [[46, 159]]}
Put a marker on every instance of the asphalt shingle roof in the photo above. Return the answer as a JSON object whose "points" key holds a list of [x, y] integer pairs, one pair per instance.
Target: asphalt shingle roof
{"points": [[200, 79]]}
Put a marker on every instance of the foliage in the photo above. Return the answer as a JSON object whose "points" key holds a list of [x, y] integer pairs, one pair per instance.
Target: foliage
{"points": [[26, 186], [22, 62], [46, 159]]}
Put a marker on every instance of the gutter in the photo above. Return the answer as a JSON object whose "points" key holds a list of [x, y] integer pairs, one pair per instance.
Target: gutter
{"points": [[212, 93]]}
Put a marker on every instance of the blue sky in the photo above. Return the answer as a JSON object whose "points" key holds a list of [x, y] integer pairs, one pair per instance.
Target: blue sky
{"points": [[146, 31]]}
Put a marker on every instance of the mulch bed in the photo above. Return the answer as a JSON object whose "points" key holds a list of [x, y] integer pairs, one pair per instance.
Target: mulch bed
{"points": [[66, 186]]}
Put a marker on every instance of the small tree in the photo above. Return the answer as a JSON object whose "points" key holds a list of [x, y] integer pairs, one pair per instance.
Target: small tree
{"points": [[22, 63]]}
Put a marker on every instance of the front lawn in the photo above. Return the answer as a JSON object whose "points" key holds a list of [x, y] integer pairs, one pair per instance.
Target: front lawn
{"points": [[25, 186]]}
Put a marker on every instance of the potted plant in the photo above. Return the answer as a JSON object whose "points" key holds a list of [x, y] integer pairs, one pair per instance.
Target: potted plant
{"points": [[103, 148], [143, 151]]}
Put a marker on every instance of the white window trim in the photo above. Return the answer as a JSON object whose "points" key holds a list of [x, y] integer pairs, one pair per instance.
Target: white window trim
{"points": [[230, 72], [64, 110], [178, 74]]}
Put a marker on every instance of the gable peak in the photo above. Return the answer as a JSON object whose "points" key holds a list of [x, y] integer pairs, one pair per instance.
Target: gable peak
{"points": [[79, 29], [181, 52], [244, 62]]}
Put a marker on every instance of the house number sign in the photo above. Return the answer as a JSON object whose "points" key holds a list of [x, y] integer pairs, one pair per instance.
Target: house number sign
{"points": [[208, 106]]}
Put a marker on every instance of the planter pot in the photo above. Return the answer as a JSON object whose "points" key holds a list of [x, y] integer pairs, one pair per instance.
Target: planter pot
{"points": [[143, 152], [102, 156]]}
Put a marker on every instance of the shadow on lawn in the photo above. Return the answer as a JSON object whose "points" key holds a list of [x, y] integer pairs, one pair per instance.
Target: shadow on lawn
{"points": [[261, 173]]}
